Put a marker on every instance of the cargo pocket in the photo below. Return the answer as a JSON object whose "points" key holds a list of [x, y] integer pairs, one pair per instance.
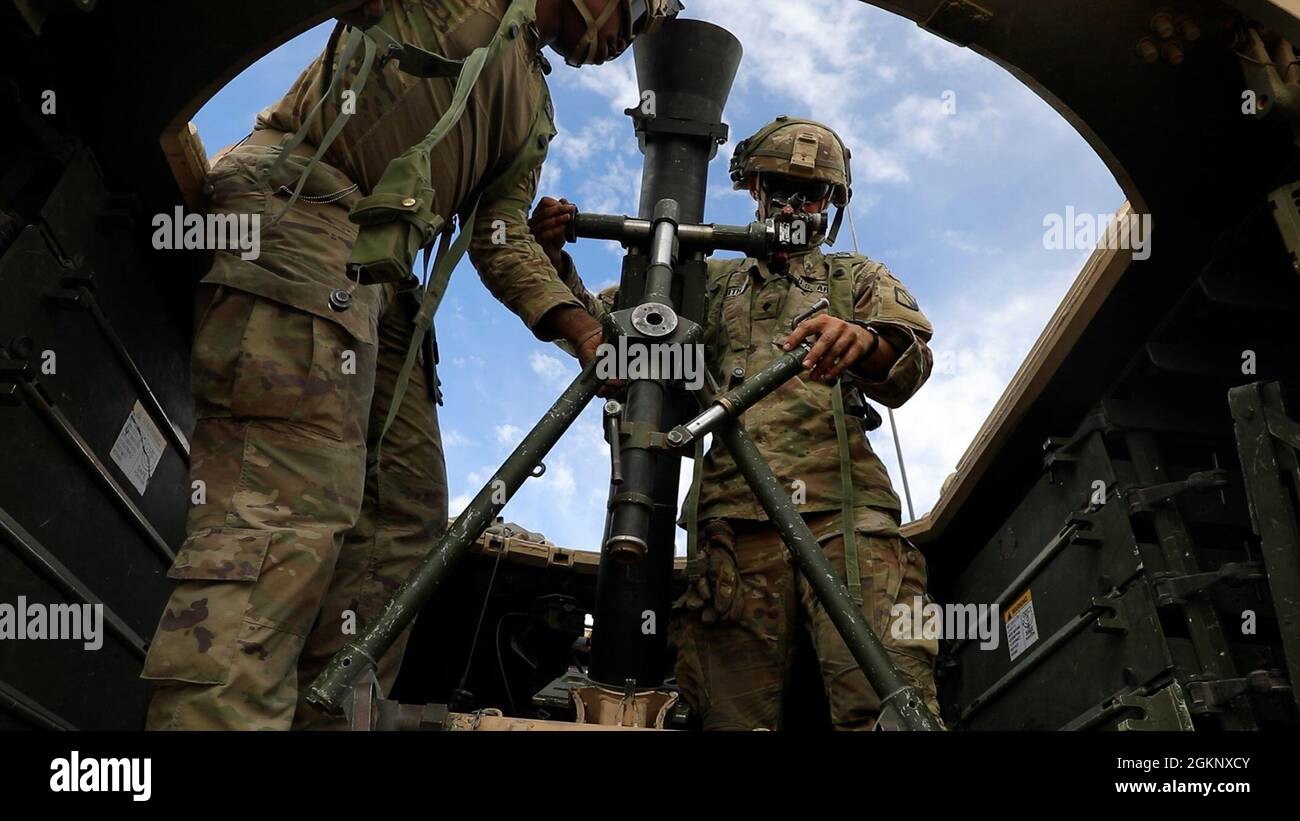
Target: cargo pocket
{"points": [[913, 631], [882, 578], [879, 558], [292, 367], [200, 627]]}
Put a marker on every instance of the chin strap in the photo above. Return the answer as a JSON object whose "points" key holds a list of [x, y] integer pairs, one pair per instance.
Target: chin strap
{"points": [[591, 38]]}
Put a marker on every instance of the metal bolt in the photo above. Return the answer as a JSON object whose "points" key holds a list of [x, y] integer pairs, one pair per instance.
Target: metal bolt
{"points": [[1163, 25], [1146, 49], [340, 300]]}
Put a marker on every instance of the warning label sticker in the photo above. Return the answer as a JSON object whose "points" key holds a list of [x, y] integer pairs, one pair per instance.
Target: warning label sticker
{"points": [[139, 448], [1022, 630]]}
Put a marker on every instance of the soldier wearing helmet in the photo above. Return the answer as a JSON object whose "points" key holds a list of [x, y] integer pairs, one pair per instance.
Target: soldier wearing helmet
{"points": [[309, 357], [788, 159], [736, 625]]}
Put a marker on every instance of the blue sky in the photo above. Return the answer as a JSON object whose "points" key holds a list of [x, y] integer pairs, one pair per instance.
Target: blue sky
{"points": [[953, 201]]}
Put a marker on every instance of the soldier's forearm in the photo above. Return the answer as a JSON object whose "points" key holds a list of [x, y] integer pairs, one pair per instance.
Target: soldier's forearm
{"points": [[877, 366], [908, 371], [568, 322]]}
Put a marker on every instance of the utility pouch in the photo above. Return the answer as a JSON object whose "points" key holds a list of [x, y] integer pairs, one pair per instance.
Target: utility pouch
{"points": [[396, 220]]}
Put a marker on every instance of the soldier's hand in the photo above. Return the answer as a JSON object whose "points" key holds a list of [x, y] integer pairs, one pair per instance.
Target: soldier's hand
{"points": [[839, 345], [366, 13], [587, 349], [582, 332], [718, 592], [548, 223], [587, 346]]}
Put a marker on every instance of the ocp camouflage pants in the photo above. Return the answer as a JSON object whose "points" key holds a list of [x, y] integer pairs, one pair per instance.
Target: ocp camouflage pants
{"points": [[302, 526], [734, 655]]}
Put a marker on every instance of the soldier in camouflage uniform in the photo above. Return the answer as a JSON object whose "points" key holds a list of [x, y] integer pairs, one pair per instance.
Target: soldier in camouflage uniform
{"points": [[735, 626], [302, 527]]}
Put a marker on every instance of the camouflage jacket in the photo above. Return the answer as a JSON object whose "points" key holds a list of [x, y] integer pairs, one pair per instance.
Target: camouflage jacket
{"points": [[748, 320], [396, 110]]}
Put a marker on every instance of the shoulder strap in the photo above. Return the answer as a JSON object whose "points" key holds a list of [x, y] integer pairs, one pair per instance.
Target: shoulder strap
{"points": [[397, 217], [520, 13], [840, 287], [336, 127], [433, 292], [517, 16], [448, 258]]}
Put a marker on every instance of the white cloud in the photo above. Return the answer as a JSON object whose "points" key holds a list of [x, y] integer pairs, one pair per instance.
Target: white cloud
{"points": [[598, 137], [613, 189], [968, 243], [555, 372], [558, 478], [508, 434], [929, 126], [452, 438], [789, 55], [615, 81], [981, 338]]}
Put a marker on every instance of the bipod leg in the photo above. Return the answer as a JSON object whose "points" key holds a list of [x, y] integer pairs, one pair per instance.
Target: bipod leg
{"points": [[362, 654]]}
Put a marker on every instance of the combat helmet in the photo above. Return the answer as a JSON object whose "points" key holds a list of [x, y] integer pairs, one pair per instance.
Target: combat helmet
{"points": [[643, 17], [797, 149]]}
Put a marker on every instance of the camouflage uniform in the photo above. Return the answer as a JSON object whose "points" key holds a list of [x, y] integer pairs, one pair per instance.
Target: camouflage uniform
{"points": [[735, 630], [302, 527]]}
